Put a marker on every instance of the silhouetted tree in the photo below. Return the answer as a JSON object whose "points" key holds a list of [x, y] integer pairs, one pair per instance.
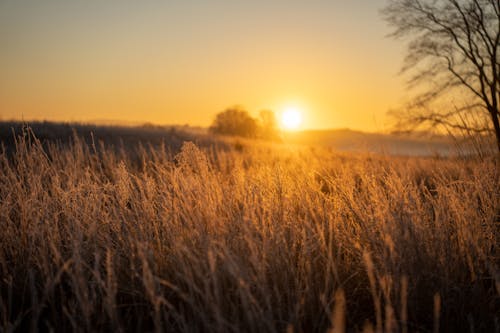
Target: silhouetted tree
{"points": [[268, 125], [453, 51], [235, 121]]}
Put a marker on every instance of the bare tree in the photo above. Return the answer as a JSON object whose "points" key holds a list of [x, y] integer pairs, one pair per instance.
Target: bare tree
{"points": [[453, 52], [268, 125]]}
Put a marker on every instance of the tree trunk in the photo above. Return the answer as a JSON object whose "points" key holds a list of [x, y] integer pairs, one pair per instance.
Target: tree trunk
{"points": [[494, 117]]}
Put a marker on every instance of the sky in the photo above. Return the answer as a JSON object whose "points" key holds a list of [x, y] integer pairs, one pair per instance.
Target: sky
{"points": [[183, 61]]}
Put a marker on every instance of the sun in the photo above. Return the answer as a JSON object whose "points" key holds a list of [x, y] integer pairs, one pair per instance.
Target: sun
{"points": [[291, 119]]}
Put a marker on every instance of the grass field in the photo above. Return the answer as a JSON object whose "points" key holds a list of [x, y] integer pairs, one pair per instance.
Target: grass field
{"points": [[245, 238]]}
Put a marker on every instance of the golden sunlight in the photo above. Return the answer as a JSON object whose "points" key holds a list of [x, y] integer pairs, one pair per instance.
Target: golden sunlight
{"points": [[291, 119]]}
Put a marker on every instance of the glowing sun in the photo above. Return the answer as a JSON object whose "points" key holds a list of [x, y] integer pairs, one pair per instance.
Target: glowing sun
{"points": [[291, 119]]}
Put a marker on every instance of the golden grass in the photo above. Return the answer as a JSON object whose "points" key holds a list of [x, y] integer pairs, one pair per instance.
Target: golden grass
{"points": [[257, 239]]}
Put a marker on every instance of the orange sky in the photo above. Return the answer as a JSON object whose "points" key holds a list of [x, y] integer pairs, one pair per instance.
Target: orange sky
{"points": [[181, 62]]}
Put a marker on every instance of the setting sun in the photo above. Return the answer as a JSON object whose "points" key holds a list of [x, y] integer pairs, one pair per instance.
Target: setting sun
{"points": [[291, 119]]}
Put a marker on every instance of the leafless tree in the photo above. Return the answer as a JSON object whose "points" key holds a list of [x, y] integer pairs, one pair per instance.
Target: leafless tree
{"points": [[268, 125], [453, 52]]}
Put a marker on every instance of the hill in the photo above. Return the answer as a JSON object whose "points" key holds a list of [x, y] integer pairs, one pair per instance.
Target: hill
{"points": [[172, 137], [419, 144]]}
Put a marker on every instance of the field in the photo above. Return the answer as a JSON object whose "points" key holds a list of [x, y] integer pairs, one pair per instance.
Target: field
{"points": [[238, 236]]}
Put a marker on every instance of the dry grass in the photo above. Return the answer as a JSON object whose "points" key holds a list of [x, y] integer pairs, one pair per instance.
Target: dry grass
{"points": [[257, 239]]}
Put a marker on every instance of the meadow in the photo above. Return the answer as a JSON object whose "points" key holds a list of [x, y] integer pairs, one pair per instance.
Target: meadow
{"points": [[244, 237]]}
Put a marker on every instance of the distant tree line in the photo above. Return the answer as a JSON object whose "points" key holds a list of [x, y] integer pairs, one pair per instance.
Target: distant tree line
{"points": [[236, 121]]}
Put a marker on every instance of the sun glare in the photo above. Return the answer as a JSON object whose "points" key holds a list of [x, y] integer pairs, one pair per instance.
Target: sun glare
{"points": [[291, 119]]}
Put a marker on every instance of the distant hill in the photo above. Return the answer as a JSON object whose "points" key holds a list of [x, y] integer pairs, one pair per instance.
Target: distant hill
{"points": [[172, 137], [127, 137], [357, 141]]}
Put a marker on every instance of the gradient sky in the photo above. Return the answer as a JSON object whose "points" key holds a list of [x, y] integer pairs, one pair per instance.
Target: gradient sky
{"points": [[182, 61]]}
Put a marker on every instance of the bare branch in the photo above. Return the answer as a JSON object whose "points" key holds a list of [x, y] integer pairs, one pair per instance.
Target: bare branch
{"points": [[453, 44]]}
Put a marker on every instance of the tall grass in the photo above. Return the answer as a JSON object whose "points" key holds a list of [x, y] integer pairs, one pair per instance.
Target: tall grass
{"points": [[257, 239]]}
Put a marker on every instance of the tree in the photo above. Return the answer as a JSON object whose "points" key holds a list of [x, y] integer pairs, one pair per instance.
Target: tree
{"points": [[454, 52], [235, 121], [268, 125]]}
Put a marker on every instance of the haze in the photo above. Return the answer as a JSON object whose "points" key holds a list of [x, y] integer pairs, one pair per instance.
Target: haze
{"points": [[181, 62]]}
